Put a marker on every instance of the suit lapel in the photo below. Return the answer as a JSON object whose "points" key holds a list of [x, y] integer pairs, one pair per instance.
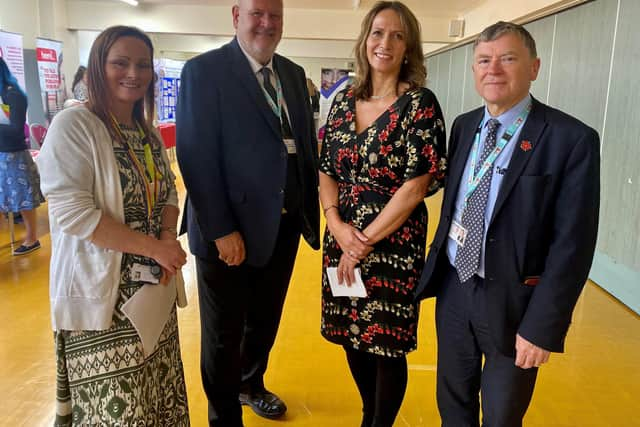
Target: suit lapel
{"points": [[242, 71], [462, 149], [526, 145]]}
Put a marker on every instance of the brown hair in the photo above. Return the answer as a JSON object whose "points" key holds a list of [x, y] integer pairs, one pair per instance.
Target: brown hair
{"points": [[412, 69], [98, 98], [501, 28]]}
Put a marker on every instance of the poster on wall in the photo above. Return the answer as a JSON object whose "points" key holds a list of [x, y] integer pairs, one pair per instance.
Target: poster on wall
{"points": [[11, 52], [52, 82], [167, 87], [332, 81]]}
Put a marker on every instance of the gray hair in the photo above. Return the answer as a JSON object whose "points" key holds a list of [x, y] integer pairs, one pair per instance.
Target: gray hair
{"points": [[501, 28]]}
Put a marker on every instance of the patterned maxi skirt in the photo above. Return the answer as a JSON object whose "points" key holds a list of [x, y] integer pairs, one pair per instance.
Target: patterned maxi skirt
{"points": [[104, 379]]}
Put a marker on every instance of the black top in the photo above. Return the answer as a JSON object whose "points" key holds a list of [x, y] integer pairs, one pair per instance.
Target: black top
{"points": [[12, 136]]}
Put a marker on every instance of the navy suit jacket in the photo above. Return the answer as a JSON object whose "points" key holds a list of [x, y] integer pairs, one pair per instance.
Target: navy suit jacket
{"points": [[542, 235], [232, 157]]}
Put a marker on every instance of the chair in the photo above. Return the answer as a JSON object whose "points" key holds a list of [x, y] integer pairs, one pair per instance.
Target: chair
{"points": [[38, 132]]}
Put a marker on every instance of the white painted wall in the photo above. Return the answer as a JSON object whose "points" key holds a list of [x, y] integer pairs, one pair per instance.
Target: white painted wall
{"points": [[315, 38], [20, 17], [212, 20]]}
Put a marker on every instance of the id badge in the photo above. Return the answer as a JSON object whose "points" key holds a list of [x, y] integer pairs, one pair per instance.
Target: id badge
{"points": [[291, 145], [458, 233], [144, 273]]}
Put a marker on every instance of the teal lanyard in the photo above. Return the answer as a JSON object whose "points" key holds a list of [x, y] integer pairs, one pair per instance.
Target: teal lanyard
{"points": [[277, 109], [474, 179]]}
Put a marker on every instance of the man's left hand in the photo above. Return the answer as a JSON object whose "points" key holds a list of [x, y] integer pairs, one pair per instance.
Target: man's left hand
{"points": [[529, 355]]}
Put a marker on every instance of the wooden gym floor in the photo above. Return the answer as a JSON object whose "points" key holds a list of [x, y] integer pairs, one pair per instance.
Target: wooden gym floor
{"points": [[596, 383]]}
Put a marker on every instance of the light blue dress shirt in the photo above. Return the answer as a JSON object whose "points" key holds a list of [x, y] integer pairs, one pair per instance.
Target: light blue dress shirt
{"points": [[499, 169]]}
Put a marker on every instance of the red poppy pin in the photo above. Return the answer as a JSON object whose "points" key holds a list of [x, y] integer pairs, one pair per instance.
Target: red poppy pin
{"points": [[525, 145]]}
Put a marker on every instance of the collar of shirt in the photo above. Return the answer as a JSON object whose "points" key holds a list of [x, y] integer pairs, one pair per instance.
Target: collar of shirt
{"points": [[255, 65], [505, 119]]}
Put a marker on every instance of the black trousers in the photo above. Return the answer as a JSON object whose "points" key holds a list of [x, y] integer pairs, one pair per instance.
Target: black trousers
{"points": [[463, 339], [240, 310]]}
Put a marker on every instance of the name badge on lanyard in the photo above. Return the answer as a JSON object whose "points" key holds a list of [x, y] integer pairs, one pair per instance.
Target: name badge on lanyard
{"points": [[291, 145], [277, 109], [458, 233]]}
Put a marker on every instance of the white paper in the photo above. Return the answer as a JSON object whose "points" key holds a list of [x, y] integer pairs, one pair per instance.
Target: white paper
{"points": [[356, 289], [149, 310], [180, 290]]}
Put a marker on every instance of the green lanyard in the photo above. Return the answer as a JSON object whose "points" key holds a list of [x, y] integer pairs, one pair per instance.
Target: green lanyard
{"points": [[277, 109], [474, 179]]}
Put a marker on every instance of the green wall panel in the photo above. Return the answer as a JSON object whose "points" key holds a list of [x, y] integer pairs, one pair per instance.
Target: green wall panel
{"points": [[619, 227], [471, 99], [542, 32], [581, 60]]}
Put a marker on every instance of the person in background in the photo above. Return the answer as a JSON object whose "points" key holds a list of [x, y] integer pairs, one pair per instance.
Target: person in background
{"points": [[382, 154], [314, 96], [516, 237], [79, 87], [248, 155], [19, 179], [113, 214]]}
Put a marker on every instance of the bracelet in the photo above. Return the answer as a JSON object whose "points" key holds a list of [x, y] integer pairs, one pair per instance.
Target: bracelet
{"points": [[325, 210], [169, 229]]}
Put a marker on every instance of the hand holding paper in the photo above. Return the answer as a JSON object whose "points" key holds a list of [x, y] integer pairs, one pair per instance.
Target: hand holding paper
{"points": [[356, 289]]}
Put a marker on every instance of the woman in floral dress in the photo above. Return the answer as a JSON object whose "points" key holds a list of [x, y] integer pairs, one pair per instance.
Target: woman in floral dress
{"points": [[383, 152], [113, 214]]}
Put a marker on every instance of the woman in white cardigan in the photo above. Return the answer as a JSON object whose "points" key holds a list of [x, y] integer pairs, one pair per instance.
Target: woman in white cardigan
{"points": [[113, 214]]}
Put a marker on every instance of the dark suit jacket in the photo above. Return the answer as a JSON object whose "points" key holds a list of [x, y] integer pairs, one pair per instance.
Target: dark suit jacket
{"points": [[543, 228], [232, 156]]}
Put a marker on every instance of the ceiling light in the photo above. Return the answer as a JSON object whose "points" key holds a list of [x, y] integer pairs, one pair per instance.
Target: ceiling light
{"points": [[131, 2]]}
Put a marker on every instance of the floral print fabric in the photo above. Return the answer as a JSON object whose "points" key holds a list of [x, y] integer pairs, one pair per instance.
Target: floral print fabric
{"points": [[406, 141]]}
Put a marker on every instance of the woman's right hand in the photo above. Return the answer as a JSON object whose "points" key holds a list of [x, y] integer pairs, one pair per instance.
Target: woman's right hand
{"points": [[352, 241], [169, 254]]}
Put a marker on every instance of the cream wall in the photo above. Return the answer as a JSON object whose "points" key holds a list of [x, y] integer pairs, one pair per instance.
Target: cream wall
{"points": [[197, 19], [20, 17], [311, 36]]}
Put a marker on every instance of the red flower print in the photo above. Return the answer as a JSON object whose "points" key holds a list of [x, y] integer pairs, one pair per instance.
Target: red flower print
{"points": [[406, 233], [385, 149], [354, 314], [428, 112], [384, 134], [374, 173], [337, 122], [349, 116], [427, 150]]}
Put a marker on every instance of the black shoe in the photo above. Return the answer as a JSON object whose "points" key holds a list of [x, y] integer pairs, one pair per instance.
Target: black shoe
{"points": [[264, 403], [23, 250]]}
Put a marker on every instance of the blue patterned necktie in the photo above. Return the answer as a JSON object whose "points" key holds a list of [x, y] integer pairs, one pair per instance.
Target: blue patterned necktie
{"points": [[468, 256]]}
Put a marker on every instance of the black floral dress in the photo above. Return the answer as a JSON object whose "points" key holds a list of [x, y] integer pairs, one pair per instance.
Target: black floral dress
{"points": [[406, 141]]}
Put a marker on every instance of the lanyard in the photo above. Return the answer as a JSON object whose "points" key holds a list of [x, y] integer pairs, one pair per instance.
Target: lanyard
{"points": [[474, 179], [150, 176], [277, 109]]}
